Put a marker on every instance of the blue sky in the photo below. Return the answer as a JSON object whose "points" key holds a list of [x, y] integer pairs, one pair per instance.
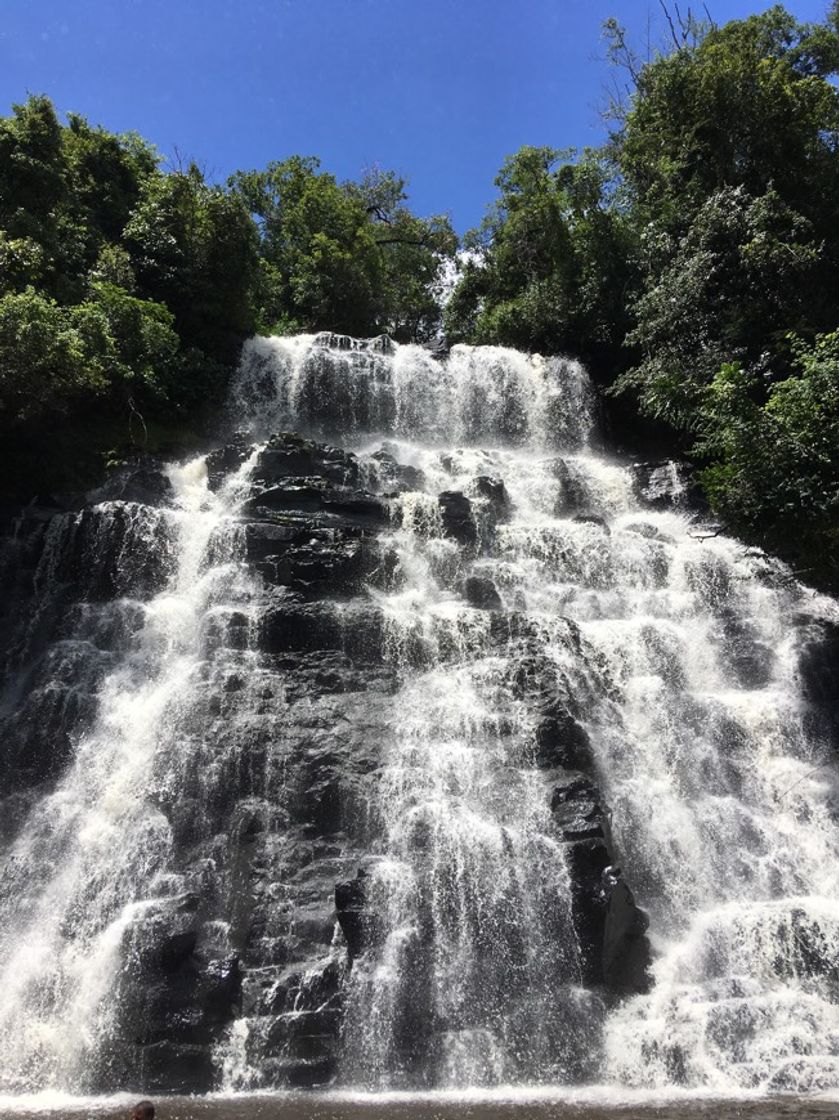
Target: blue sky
{"points": [[439, 90]]}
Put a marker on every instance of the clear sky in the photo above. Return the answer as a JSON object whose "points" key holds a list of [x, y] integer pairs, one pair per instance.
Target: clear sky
{"points": [[439, 90]]}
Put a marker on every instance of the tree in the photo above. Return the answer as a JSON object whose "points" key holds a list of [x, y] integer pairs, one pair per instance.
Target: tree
{"points": [[193, 248], [320, 268], [732, 289], [747, 105], [32, 184], [773, 470], [346, 257], [552, 260]]}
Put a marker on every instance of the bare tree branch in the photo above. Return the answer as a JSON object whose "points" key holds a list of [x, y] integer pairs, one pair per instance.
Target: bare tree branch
{"points": [[421, 241], [669, 19]]}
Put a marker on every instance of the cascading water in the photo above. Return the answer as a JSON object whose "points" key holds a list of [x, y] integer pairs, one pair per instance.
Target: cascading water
{"points": [[94, 857], [683, 660], [520, 663]]}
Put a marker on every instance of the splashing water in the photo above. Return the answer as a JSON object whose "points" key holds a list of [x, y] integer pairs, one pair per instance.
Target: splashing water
{"points": [[669, 664], [685, 662], [92, 860]]}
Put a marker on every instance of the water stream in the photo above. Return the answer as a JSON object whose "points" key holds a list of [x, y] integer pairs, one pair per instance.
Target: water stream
{"points": [[673, 655]]}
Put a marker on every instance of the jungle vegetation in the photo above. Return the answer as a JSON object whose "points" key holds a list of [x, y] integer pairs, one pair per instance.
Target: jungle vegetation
{"points": [[692, 262]]}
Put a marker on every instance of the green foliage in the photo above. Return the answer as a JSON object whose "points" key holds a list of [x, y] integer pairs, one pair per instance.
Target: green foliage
{"points": [[53, 358], [552, 260], [31, 168], [748, 105], [732, 288], [124, 289], [346, 257], [42, 357], [83, 325], [193, 247], [774, 467]]}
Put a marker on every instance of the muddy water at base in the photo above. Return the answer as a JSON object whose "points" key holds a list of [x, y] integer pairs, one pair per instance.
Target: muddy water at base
{"points": [[436, 1107]]}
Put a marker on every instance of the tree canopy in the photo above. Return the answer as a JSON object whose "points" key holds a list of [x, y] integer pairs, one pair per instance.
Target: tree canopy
{"points": [[126, 288], [693, 262]]}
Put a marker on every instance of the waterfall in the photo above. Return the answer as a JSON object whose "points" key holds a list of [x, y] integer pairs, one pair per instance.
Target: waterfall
{"points": [[94, 856], [548, 731]]}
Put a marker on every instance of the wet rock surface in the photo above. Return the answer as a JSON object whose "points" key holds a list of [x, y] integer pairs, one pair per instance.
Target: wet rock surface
{"points": [[819, 668], [331, 754], [292, 704]]}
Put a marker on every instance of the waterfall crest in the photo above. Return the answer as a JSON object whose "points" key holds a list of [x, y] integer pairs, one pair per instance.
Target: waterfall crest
{"points": [[560, 745]]}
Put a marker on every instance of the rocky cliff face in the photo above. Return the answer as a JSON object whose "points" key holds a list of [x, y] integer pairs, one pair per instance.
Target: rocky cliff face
{"points": [[389, 766], [294, 702]]}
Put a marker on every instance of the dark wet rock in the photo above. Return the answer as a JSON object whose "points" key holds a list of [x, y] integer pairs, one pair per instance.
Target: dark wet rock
{"points": [[587, 860], [179, 1004], [626, 949], [750, 661], [350, 902], [314, 498], [295, 625], [582, 821], [592, 519], [142, 481], [39, 733], [312, 561], [818, 667], [576, 809], [481, 593], [108, 551], [574, 495], [560, 739], [393, 477], [494, 493], [456, 516], [288, 454], [224, 461], [267, 538], [646, 530], [665, 484], [167, 1067]]}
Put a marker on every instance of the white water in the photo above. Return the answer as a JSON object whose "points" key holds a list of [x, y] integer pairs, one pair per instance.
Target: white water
{"points": [[680, 654], [722, 809], [92, 860]]}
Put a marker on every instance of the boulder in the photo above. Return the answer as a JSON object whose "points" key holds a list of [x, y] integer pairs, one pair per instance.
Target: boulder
{"points": [[223, 461], [481, 593], [141, 481], [325, 562], [456, 515], [393, 477], [592, 519], [574, 495], [288, 454], [494, 493], [321, 504], [167, 1067], [577, 810], [664, 484]]}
